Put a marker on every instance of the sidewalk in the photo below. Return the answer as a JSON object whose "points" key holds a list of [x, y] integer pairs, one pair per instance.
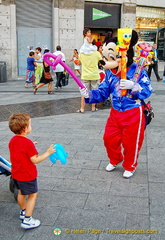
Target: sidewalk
{"points": [[81, 197]]}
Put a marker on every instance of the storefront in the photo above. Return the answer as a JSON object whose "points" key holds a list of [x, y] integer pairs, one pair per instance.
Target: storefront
{"points": [[149, 24], [100, 18]]}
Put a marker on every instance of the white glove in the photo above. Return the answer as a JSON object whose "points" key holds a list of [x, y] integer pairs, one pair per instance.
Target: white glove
{"points": [[126, 84], [84, 92]]}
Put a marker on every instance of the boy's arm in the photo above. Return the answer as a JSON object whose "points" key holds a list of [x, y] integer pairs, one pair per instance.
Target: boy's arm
{"points": [[34, 62], [39, 158]]}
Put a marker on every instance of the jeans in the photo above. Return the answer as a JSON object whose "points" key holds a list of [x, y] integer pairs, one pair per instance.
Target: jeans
{"points": [[59, 76]]}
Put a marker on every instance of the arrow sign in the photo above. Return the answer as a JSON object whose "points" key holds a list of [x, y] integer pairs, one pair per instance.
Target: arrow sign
{"points": [[97, 14]]}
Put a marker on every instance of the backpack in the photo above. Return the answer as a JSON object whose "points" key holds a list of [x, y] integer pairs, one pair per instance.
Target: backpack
{"points": [[148, 111]]}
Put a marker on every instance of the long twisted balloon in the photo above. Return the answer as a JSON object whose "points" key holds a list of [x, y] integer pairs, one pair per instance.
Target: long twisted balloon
{"points": [[58, 60]]}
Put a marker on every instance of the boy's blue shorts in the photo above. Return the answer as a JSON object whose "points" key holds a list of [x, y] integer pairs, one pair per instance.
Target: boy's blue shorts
{"points": [[26, 187]]}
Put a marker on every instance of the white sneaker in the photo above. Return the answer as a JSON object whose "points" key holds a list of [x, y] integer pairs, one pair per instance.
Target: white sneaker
{"points": [[110, 167], [22, 214], [128, 174], [30, 223]]}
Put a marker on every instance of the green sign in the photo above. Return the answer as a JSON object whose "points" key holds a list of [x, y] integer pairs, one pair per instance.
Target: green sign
{"points": [[97, 14]]}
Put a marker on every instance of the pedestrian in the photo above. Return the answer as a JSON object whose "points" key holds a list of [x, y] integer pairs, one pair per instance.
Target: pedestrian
{"points": [[100, 49], [46, 77], [59, 71], [164, 75], [88, 47], [39, 67], [98, 43], [30, 72], [124, 130], [90, 75], [76, 62], [154, 63], [23, 157], [100, 66]]}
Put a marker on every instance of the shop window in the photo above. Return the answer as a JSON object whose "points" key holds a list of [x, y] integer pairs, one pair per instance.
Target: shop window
{"points": [[148, 21], [150, 17]]}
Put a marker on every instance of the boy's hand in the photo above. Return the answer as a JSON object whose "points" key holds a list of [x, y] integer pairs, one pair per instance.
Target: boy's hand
{"points": [[51, 149], [35, 143]]}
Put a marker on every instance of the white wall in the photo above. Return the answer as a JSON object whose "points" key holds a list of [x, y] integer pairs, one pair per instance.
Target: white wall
{"points": [[68, 30], [5, 37], [8, 44], [151, 3]]}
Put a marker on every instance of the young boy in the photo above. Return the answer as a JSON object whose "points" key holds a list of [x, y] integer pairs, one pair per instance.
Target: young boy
{"points": [[30, 72], [23, 157]]}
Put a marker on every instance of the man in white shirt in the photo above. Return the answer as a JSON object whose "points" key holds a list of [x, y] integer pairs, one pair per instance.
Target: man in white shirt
{"points": [[59, 69]]}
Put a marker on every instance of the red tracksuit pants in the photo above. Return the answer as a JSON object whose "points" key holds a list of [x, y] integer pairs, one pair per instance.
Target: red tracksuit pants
{"points": [[123, 137]]}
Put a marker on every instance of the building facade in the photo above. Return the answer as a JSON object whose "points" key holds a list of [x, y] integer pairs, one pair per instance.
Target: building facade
{"points": [[25, 25]]}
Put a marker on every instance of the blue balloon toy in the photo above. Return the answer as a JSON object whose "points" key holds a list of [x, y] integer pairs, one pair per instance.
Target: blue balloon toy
{"points": [[60, 154]]}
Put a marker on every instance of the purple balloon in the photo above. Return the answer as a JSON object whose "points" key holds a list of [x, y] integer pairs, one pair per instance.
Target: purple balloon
{"points": [[58, 60]]}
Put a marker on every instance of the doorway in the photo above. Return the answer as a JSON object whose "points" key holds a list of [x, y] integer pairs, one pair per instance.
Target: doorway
{"points": [[34, 28], [28, 39]]}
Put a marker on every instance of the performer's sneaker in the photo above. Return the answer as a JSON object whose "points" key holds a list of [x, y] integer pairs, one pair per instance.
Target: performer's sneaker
{"points": [[128, 174], [110, 167], [30, 223]]}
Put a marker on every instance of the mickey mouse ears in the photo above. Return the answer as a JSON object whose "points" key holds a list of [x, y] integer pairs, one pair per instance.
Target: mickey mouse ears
{"points": [[109, 38]]}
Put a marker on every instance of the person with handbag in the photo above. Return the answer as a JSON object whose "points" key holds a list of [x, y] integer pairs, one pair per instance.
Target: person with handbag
{"points": [[76, 62], [46, 77]]}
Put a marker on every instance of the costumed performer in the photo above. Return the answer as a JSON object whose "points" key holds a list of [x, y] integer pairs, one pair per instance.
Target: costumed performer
{"points": [[124, 130]]}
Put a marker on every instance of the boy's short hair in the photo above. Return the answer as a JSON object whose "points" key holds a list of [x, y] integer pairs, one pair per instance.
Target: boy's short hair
{"points": [[31, 53], [18, 122]]}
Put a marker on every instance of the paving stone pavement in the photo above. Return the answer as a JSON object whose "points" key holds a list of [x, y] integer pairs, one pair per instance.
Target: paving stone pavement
{"points": [[81, 198]]}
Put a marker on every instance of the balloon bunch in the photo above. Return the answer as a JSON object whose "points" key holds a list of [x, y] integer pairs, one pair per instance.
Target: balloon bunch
{"points": [[143, 50]]}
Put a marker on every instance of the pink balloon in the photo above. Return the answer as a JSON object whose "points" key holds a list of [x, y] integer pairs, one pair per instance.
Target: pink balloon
{"points": [[58, 60]]}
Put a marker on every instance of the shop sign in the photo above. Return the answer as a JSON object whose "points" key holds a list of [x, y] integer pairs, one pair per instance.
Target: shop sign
{"points": [[102, 15], [147, 36], [97, 14]]}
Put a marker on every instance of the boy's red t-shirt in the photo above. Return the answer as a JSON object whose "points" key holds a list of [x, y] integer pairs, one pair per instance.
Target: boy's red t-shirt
{"points": [[21, 150]]}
